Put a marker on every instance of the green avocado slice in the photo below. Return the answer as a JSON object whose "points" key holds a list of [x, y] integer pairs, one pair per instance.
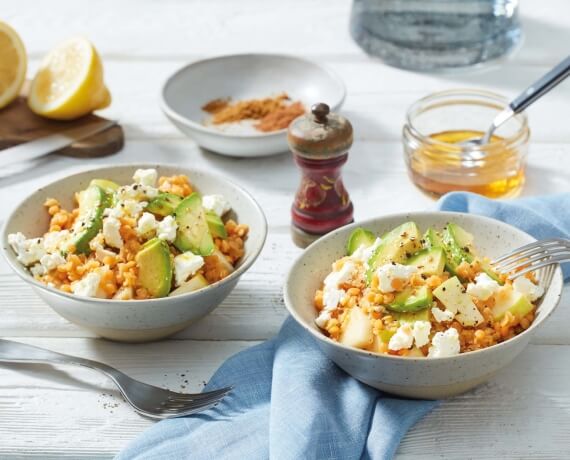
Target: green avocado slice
{"points": [[155, 268], [412, 300], [193, 233], [428, 261], [359, 237], [92, 203], [164, 204], [216, 225]]}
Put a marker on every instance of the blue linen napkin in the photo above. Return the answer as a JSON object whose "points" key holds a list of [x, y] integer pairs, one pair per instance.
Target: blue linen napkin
{"points": [[291, 402]]}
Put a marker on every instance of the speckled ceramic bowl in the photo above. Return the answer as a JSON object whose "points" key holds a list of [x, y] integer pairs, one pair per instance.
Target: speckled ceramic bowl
{"points": [[432, 378], [140, 320]]}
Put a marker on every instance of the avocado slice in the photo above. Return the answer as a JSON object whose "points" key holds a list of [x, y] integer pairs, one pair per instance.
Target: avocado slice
{"points": [[193, 284], [412, 317], [396, 246], [429, 261], [193, 233], [412, 300], [432, 239], [359, 237], [216, 225], [107, 185], [92, 203], [164, 204], [515, 302], [155, 267], [452, 295]]}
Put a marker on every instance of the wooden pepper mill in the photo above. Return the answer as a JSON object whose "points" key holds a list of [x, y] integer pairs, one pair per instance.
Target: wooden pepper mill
{"points": [[320, 142]]}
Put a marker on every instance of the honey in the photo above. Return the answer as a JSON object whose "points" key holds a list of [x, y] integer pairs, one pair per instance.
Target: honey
{"points": [[494, 171], [440, 161]]}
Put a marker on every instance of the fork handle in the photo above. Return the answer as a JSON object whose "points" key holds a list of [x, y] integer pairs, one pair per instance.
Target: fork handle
{"points": [[16, 352]]}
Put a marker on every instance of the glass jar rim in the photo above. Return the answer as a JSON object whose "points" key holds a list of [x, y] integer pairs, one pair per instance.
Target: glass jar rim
{"points": [[489, 96]]}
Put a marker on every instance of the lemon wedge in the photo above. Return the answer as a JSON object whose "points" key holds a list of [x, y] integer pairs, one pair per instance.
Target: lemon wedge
{"points": [[13, 64], [69, 82]]}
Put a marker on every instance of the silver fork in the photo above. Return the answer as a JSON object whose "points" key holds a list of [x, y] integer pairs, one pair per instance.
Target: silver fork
{"points": [[533, 256], [147, 400]]}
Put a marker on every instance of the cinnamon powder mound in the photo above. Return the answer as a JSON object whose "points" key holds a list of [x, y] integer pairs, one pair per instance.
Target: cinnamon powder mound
{"points": [[273, 113]]}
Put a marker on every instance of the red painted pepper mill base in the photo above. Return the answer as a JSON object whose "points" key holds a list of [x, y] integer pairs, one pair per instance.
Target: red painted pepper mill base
{"points": [[320, 143]]}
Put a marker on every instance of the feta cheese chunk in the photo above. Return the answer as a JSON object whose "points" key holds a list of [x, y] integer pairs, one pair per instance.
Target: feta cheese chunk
{"points": [[528, 288], [389, 272], [484, 287], [421, 332], [442, 316], [97, 245], [216, 203], [332, 293], [52, 261], [166, 229], [444, 344], [55, 241], [146, 177], [147, 224], [87, 286], [111, 232], [132, 208], [27, 251], [37, 270], [402, 339], [185, 265], [323, 318]]}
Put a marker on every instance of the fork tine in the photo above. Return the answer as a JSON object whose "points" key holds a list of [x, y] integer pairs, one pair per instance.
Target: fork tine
{"points": [[175, 414], [551, 261], [530, 257], [190, 406], [530, 246], [199, 396], [183, 403]]}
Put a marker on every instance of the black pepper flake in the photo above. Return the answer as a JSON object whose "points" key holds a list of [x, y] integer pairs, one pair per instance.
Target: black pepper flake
{"points": [[393, 263], [443, 288], [135, 187], [424, 276], [408, 254]]}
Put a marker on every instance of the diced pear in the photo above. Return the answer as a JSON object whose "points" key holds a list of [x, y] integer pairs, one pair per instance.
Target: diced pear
{"points": [[357, 331], [512, 301], [450, 293]]}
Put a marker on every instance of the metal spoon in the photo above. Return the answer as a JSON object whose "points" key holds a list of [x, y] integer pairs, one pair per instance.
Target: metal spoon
{"points": [[539, 88]]}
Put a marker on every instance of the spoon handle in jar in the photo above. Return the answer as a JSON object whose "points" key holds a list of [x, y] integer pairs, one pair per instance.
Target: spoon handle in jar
{"points": [[542, 86]]}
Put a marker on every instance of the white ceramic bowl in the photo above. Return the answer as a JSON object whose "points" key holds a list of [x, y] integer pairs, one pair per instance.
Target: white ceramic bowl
{"points": [[137, 320], [432, 378], [245, 76]]}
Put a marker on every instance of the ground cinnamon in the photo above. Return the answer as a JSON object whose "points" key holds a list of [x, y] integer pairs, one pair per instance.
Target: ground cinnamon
{"points": [[273, 113]]}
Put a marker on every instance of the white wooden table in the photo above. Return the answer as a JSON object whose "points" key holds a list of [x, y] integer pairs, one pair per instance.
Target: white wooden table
{"points": [[72, 413]]}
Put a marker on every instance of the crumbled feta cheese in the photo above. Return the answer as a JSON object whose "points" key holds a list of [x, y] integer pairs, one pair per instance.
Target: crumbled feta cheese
{"points": [[37, 270], [166, 229], [52, 261], [342, 276], [216, 203], [332, 297], [145, 177], [117, 212], [323, 318], [111, 233], [133, 208], [146, 224], [442, 316], [87, 286], [421, 332], [389, 272], [363, 253], [137, 192], [185, 265], [484, 287], [402, 339], [29, 251], [528, 288], [55, 241], [97, 245], [444, 344]]}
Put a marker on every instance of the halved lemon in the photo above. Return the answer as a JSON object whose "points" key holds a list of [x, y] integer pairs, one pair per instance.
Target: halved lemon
{"points": [[69, 83], [13, 64]]}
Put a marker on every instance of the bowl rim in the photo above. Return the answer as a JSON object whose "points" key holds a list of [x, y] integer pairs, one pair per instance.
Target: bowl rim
{"points": [[173, 114], [26, 276], [408, 216]]}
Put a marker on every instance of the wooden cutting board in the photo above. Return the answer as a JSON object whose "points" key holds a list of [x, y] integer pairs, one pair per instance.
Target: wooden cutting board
{"points": [[18, 124]]}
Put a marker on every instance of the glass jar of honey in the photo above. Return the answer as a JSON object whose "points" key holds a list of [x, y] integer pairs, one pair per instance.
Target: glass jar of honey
{"points": [[438, 161]]}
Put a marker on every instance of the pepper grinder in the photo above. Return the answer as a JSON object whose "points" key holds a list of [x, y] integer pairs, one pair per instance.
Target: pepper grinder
{"points": [[320, 142]]}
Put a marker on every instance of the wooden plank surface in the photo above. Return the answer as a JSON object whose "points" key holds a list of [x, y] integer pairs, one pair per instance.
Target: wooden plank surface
{"points": [[53, 413]]}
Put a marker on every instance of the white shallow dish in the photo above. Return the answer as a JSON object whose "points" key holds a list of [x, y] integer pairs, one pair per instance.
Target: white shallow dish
{"points": [[431, 378], [245, 76], [135, 320]]}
